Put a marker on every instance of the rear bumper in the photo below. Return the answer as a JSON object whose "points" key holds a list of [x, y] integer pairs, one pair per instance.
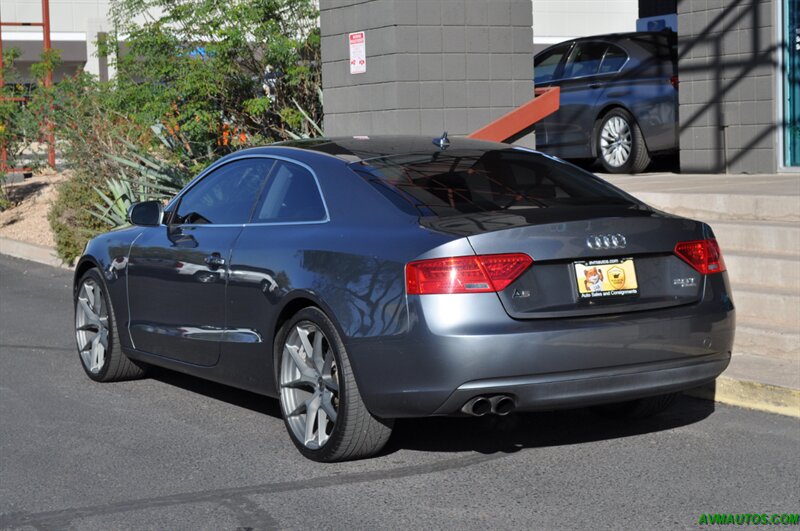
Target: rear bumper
{"points": [[462, 346], [592, 387]]}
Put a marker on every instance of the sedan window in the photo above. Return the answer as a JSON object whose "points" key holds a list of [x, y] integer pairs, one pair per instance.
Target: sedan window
{"points": [[226, 195], [292, 195], [585, 59], [614, 59], [546, 64]]}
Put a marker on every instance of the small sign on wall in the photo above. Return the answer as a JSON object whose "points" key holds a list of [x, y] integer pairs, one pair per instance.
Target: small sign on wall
{"points": [[358, 53]]}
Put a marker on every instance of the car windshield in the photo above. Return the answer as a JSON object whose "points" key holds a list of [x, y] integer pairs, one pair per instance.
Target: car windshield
{"points": [[463, 181]]}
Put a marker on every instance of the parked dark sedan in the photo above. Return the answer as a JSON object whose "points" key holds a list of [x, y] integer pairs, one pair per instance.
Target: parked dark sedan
{"points": [[619, 99], [362, 280]]}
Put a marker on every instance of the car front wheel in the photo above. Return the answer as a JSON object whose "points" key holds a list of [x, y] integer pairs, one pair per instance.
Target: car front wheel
{"points": [[96, 333], [620, 144], [321, 405]]}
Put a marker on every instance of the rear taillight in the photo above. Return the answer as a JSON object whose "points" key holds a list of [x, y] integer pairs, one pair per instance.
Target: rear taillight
{"points": [[674, 82], [703, 255], [465, 274]]}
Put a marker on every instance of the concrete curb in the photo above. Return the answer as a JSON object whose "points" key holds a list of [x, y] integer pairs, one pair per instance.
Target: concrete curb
{"points": [[741, 393], [29, 251], [751, 395]]}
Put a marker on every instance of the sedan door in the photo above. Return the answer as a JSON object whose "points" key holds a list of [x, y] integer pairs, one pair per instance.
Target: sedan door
{"points": [[548, 68], [569, 130], [178, 273]]}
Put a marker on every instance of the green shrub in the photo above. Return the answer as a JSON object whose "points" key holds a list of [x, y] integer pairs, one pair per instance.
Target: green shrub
{"points": [[203, 79], [70, 218]]}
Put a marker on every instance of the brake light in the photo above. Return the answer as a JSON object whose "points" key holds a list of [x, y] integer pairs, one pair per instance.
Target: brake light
{"points": [[465, 274], [703, 255], [674, 81]]}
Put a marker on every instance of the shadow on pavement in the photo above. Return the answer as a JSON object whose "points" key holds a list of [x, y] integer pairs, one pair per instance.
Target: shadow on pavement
{"points": [[487, 435], [491, 434], [237, 397]]}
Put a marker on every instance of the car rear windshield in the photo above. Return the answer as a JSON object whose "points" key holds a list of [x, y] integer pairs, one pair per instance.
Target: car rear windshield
{"points": [[455, 182]]}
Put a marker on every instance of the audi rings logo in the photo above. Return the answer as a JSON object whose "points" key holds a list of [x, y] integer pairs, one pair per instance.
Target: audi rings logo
{"points": [[606, 241]]}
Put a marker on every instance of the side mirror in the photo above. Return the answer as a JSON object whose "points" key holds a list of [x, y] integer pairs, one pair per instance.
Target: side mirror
{"points": [[146, 213]]}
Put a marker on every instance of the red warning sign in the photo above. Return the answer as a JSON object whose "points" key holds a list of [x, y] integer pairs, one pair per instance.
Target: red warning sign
{"points": [[358, 52]]}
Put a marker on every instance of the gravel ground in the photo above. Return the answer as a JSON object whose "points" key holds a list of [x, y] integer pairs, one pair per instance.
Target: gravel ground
{"points": [[31, 199]]}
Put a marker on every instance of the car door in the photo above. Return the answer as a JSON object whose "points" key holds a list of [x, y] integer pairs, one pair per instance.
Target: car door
{"points": [[267, 262], [569, 130], [548, 68], [177, 273]]}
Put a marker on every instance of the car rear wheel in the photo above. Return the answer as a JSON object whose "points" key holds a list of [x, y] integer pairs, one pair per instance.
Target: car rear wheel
{"points": [[620, 144], [637, 409], [96, 333], [321, 405]]}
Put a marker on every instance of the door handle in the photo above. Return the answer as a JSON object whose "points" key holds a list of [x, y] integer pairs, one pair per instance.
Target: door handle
{"points": [[215, 260]]}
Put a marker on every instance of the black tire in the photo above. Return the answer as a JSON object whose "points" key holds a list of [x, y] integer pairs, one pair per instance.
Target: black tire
{"points": [[637, 409], [116, 366], [638, 159], [356, 432]]}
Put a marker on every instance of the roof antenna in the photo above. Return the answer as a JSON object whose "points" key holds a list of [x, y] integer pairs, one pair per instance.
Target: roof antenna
{"points": [[443, 142]]}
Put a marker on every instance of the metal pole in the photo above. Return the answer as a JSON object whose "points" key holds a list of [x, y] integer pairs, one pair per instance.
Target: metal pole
{"points": [[3, 150], [48, 82]]}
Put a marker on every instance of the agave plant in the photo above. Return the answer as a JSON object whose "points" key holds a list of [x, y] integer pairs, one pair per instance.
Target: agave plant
{"points": [[141, 177], [114, 209]]}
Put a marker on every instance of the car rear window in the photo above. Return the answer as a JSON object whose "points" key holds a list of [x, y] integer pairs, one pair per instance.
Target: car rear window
{"points": [[614, 59], [455, 182]]}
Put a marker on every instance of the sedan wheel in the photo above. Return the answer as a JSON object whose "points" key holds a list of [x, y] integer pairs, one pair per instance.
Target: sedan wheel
{"points": [[620, 143], [95, 333], [91, 326], [322, 408]]}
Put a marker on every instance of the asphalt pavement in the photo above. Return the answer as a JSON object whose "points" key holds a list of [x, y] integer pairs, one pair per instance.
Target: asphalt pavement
{"points": [[174, 452]]}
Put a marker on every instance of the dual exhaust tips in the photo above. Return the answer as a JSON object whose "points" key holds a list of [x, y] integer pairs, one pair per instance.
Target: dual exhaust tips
{"points": [[482, 405]]}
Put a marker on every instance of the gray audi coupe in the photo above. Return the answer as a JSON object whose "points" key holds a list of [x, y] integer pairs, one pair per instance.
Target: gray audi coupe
{"points": [[360, 280]]}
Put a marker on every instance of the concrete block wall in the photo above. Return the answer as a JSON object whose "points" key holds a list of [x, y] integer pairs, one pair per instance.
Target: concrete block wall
{"points": [[432, 65], [727, 62]]}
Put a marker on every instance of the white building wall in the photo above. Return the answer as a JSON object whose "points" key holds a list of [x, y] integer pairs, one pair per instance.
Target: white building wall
{"points": [[560, 20], [65, 15]]}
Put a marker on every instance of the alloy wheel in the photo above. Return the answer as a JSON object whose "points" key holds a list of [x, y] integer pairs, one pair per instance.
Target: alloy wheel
{"points": [[616, 141], [91, 326], [309, 385]]}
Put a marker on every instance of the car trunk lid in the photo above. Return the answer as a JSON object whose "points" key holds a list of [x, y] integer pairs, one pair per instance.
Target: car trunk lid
{"points": [[621, 261]]}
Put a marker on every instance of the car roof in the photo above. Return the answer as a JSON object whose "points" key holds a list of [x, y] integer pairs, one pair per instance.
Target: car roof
{"points": [[616, 37], [365, 147]]}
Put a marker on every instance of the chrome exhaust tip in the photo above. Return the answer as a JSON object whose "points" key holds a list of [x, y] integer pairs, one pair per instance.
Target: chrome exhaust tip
{"points": [[502, 405], [477, 407]]}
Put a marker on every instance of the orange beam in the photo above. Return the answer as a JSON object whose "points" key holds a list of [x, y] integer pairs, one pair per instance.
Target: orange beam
{"points": [[512, 124]]}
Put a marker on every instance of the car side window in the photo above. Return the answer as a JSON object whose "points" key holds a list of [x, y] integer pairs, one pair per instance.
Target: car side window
{"points": [[226, 195], [614, 59], [545, 66], [585, 59], [292, 195]]}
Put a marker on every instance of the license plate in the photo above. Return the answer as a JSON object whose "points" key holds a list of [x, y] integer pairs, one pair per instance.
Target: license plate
{"points": [[612, 277]]}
